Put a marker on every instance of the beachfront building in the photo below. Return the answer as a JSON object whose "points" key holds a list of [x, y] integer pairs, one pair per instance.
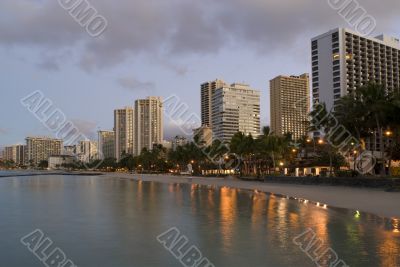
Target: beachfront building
{"points": [[235, 108], [343, 60], [148, 123], [123, 128], [207, 91], [106, 144], [290, 105], [41, 148], [15, 153], [61, 162]]}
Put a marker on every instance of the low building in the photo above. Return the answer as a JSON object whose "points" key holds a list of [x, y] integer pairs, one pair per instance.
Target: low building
{"points": [[204, 136], [179, 141], [60, 162], [167, 144]]}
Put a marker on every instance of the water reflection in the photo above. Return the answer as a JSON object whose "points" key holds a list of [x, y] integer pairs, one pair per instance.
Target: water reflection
{"points": [[119, 219], [228, 213]]}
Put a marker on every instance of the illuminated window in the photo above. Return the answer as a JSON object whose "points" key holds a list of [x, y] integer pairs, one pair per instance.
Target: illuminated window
{"points": [[336, 56]]}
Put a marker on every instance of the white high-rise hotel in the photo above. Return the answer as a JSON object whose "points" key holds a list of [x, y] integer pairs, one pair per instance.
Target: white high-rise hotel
{"points": [[235, 108], [343, 60]]}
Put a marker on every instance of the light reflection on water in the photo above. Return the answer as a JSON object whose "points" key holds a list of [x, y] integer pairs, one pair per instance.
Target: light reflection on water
{"points": [[112, 222]]}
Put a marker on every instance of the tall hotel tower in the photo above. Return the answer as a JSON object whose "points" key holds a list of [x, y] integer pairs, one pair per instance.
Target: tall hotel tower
{"points": [[290, 105], [123, 128], [343, 60], [207, 91], [235, 108], [148, 123]]}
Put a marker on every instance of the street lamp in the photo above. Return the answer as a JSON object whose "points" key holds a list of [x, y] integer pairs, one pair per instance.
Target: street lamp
{"points": [[320, 142], [388, 133]]}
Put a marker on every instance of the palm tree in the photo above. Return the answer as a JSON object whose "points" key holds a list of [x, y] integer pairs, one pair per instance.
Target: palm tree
{"points": [[369, 110], [322, 120]]}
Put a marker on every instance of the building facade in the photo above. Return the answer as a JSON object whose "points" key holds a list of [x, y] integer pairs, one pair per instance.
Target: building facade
{"points": [[106, 144], [235, 108], [204, 136], [15, 154], [60, 162], [41, 148], [207, 90], [343, 60], [87, 151], [290, 105], [148, 124], [123, 128], [179, 141]]}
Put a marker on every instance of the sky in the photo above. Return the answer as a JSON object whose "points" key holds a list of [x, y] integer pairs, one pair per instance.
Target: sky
{"points": [[154, 47]]}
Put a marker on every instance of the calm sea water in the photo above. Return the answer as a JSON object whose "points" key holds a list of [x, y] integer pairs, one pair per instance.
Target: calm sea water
{"points": [[101, 221]]}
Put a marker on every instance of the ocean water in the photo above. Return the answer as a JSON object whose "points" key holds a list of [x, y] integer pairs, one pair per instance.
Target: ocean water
{"points": [[98, 221]]}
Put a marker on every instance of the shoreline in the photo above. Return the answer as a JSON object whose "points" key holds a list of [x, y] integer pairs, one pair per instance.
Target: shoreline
{"points": [[366, 200], [373, 201]]}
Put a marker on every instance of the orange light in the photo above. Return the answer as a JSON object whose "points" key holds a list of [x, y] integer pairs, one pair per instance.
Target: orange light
{"points": [[320, 141]]}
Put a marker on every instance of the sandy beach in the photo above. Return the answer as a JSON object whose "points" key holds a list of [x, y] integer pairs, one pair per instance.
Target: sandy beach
{"points": [[374, 201]]}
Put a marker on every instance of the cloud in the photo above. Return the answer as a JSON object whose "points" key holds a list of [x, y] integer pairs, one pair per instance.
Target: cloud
{"points": [[175, 27], [3, 131], [88, 128], [49, 64], [131, 83]]}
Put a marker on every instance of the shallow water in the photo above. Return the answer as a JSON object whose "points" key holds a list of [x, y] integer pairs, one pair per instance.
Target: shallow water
{"points": [[99, 221]]}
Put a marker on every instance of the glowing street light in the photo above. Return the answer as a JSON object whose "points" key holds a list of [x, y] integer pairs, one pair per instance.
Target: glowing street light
{"points": [[388, 133], [320, 141], [281, 164]]}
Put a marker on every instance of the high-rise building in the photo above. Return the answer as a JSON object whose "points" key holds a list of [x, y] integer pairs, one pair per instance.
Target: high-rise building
{"points": [[204, 135], [148, 123], [87, 151], [123, 128], [343, 60], [41, 148], [106, 142], [235, 108], [290, 105], [207, 91], [15, 154]]}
